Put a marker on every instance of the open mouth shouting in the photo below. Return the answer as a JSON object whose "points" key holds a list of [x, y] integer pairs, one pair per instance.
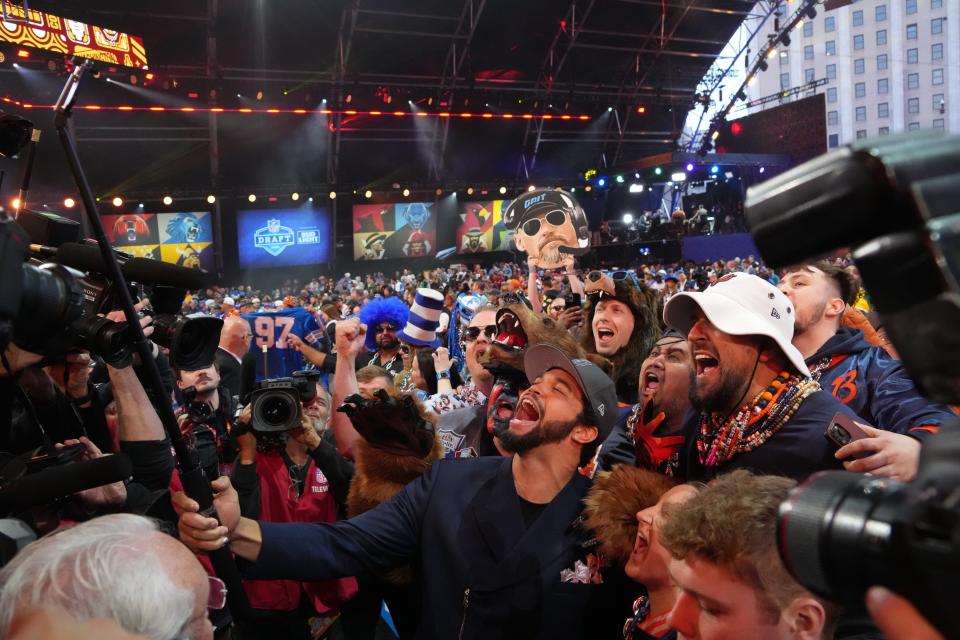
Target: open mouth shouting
{"points": [[705, 364], [651, 379], [510, 333], [528, 413], [606, 335]]}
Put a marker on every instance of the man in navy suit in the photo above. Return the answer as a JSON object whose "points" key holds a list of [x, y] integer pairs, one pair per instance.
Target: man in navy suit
{"points": [[498, 540]]}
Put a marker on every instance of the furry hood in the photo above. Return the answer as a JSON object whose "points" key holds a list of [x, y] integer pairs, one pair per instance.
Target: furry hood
{"points": [[392, 310], [612, 504]]}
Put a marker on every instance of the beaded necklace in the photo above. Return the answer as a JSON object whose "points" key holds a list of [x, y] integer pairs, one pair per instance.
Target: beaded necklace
{"points": [[755, 422]]}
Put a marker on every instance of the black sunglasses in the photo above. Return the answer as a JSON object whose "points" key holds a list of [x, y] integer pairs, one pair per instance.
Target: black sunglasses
{"points": [[532, 226], [472, 333], [385, 327], [404, 349]]}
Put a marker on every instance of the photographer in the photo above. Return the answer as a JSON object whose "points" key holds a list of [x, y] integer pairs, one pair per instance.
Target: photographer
{"points": [[292, 476], [205, 417]]}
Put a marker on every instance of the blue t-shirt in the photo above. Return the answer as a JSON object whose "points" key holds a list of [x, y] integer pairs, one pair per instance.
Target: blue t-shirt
{"points": [[270, 329]]}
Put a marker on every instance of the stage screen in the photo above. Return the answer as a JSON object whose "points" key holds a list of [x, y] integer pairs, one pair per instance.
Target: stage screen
{"points": [[402, 230], [283, 237], [183, 238], [481, 227]]}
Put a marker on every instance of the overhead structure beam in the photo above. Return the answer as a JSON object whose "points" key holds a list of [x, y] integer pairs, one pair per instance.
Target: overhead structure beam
{"points": [[452, 67], [348, 22]]}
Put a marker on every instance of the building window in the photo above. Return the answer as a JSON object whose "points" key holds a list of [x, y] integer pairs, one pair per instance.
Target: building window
{"points": [[808, 75], [883, 110], [936, 52], [808, 52], [860, 90], [861, 133], [833, 140], [913, 56], [881, 62], [831, 72], [858, 18], [860, 114], [913, 81], [833, 118], [936, 4], [912, 31], [784, 80], [913, 105], [883, 86], [938, 123], [938, 103], [936, 26], [936, 76], [881, 37], [858, 42], [911, 6], [831, 47], [831, 94], [913, 126], [859, 66], [884, 131], [829, 24], [808, 28], [880, 13]]}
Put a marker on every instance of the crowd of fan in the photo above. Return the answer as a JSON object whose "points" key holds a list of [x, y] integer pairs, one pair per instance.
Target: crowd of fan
{"points": [[724, 372]]}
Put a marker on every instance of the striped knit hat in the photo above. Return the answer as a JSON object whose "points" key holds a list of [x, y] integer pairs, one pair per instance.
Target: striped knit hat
{"points": [[421, 329]]}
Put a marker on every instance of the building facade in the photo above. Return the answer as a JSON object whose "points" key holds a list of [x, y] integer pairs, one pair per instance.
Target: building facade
{"points": [[890, 65]]}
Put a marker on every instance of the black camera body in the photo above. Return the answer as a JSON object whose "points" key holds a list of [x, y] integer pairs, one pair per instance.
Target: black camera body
{"points": [[276, 404], [198, 411]]}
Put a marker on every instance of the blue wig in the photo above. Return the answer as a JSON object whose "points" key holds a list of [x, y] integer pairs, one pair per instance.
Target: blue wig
{"points": [[392, 310]]}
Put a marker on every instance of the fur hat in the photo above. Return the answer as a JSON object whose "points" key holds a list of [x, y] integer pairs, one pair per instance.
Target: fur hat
{"points": [[378, 310]]}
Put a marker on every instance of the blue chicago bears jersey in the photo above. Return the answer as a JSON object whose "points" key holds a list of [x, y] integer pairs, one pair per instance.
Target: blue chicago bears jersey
{"points": [[271, 329]]}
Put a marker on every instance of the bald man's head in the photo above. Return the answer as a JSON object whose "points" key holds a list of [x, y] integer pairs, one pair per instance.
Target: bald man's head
{"points": [[235, 336]]}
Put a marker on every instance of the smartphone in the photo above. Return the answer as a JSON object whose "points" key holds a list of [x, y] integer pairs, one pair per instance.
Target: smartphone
{"points": [[572, 300], [43, 459], [842, 430]]}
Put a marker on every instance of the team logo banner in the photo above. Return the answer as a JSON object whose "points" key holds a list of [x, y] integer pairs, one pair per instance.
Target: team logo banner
{"points": [[402, 230], [481, 227], [283, 237], [71, 37], [183, 238]]}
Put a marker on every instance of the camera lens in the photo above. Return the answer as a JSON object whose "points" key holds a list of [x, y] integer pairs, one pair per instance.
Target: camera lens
{"points": [[52, 298], [276, 410]]}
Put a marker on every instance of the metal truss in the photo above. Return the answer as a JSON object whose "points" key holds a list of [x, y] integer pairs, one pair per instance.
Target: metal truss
{"points": [[348, 23]]}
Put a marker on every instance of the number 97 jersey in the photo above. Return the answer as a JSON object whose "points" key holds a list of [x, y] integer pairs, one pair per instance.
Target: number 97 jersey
{"points": [[272, 329]]}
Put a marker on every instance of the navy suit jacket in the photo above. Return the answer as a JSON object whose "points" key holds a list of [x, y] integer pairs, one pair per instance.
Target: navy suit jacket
{"points": [[484, 573]]}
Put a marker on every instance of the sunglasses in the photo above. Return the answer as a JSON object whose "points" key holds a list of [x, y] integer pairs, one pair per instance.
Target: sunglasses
{"points": [[218, 593], [385, 327], [596, 277], [404, 349], [532, 226], [472, 333]]}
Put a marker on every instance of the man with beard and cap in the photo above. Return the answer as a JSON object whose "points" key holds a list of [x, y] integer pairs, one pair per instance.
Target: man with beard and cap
{"points": [[520, 565], [620, 325], [862, 376], [758, 408]]}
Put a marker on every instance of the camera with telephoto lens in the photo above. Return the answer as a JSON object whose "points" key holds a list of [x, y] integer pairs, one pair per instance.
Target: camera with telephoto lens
{"points": [[840, 533], [198, 411], [276, 404]]}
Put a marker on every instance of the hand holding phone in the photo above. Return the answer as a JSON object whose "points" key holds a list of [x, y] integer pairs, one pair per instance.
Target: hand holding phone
{"points": [[841, 431]]}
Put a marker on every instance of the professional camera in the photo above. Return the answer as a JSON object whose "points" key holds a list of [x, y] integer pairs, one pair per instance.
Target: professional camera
{"points": [[199, 412], [275, 404], [840, 532]]}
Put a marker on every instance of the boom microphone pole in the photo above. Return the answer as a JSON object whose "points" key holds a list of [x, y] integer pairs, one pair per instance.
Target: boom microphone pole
{"points": [[195, 484]]}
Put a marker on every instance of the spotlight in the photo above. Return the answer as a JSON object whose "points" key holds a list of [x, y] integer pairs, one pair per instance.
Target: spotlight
{"points": [[139, 205], [133, 78], [294, 196], [641, 109], [167, 200], [689, 166], [349, 98], [627, 218], [609, 109], [531, 187], [728, 174], [438, 192], [149, 76], [658, 171], [714, 169], [211, 199], [252, 197], [23, 53], [503, 190], [602, 182], [69, 203], [406, 193], [15, 203], [636, 188], [469, 191], [637, 175], [680, 176], [118, 201], [259, 95], [239, 96], [619, 179], [368, 194], [763, 65], [324, 101], [310, 199], [762, 169], [587, 188], [333, 195]]}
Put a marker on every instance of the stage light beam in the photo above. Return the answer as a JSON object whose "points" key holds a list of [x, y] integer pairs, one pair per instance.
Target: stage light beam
{"points": [[167, 200]]}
